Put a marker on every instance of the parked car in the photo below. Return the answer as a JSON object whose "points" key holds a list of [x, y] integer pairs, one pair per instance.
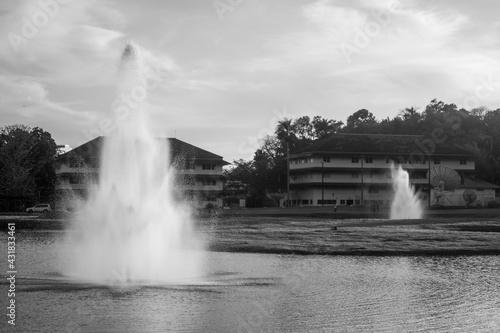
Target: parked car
{"points": [[43, 208]]}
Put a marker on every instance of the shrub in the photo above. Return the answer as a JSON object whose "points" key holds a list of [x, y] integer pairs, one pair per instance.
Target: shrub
{"points": [[493, 204]]}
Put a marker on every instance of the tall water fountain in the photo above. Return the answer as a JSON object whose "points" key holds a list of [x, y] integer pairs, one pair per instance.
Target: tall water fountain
{"points": [[131, 228], [406, 203]]}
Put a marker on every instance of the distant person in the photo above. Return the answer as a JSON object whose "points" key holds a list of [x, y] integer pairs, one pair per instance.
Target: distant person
{"points": [[335, 209]]}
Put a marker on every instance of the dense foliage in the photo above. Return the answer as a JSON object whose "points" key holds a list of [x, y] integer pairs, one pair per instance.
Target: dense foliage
{"points": [[476, 130], [26, 171]]}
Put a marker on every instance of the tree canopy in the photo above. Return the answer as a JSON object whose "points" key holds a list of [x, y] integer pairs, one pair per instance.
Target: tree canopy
{"points": [[26, 169]]}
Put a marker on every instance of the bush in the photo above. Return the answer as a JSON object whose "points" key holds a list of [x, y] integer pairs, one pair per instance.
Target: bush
{"points": [[212, 207], [493, 204]]}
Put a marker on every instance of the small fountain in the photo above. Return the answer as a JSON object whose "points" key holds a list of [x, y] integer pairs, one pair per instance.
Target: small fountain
{"points": [[406, 203], [132, 230]]}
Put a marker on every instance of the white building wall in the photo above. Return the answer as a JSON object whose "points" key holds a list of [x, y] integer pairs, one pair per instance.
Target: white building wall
{"points": [[341, 196], [377, 162], [455, 164], [347, 177], [63, 183]]}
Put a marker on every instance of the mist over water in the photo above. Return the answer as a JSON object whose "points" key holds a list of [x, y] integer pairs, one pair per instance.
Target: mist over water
{"points": [[406, 203], [131, 229]]}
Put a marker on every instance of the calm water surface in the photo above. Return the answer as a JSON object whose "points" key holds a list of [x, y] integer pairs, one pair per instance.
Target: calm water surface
{"points": [[262, 293]]}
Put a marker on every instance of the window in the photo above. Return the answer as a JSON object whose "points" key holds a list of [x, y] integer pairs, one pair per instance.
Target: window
{"points": [[76, 179], [326, 159], [190, 165], [342, 201], [327, 175], [388, 160], [94, 163], [357, 202], [209, 182], [463, 162], [305, 202], [208, 166], [437, 161], [187, 181], [327, 202], [355, 160], [418, 175], [354, 175], [369, 160], [350, 202], [373, 190], [76, 162]]}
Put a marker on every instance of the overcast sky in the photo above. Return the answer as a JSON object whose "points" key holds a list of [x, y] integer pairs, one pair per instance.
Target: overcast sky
{"points": [[229, 69]]}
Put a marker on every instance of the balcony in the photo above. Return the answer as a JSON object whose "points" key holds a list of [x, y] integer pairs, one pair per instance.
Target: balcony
{"points": [[64, 168]]}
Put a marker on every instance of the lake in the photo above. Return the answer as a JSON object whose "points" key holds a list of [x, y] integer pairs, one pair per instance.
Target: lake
{"points": [[260, 293]]}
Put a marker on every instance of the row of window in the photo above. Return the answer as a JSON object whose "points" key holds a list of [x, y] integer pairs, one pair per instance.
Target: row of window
{"points": [[356, 175], [208, 166], [369, 160], [190, 165], [347, 202], [78, 162], [208, 182], [74, 179], [327, 202], [192, 181]]}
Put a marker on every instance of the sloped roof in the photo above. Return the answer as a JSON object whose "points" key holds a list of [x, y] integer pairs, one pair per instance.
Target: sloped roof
{"points": [[349, 143], [178, 148], [87, 150], [470, 182]]}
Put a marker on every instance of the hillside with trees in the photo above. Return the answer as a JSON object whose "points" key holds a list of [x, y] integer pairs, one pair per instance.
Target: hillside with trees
{"points": [[476, 130]]}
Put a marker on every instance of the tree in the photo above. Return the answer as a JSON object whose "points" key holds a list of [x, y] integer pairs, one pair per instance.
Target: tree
{"points": [[325, 127], [303, 128], [361, 121], [26, 157], [285, 132], [15, 161], [43, 153], [408, 113]]}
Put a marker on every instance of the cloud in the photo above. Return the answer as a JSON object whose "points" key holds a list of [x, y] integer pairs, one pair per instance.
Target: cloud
{"points": [[62, 46], [220, 80]]}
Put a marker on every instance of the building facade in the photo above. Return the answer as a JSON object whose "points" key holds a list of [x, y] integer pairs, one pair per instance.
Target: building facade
{"points": [[355, 169], [198, 173]]}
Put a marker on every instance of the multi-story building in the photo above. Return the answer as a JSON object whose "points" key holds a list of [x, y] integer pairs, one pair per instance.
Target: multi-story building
{"points": [[198, 172], [351, 169]]}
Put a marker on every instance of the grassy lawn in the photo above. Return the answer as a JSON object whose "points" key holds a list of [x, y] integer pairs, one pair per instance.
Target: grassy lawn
{"points": [[309, 231], [322, 231]]}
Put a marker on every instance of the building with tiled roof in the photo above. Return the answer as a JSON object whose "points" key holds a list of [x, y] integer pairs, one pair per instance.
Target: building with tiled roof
{"points": [[198, 171], [355, 169]]}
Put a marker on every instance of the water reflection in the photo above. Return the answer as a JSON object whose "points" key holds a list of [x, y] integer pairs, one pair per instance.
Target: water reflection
{"points": [[266, 293]]}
